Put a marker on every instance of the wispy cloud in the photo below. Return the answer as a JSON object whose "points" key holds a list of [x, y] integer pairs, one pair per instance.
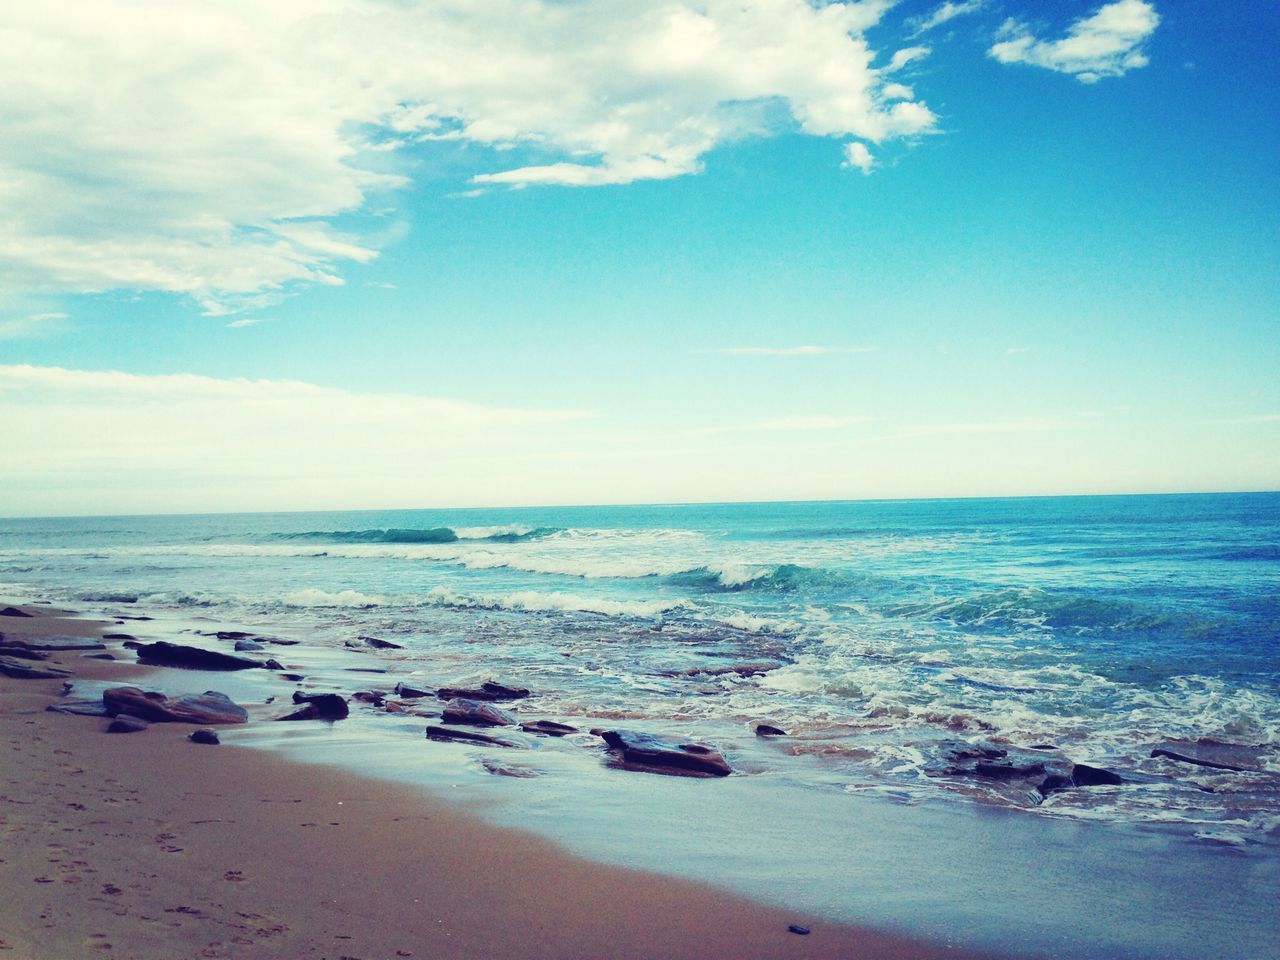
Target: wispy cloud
{"points": [[244, 322], [804, 350], [1107, 43], [31, 325], [944, 13], [231, 134]]}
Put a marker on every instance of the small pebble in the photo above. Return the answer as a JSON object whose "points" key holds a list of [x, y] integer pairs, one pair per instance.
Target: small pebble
{"points": [[796, 928]]}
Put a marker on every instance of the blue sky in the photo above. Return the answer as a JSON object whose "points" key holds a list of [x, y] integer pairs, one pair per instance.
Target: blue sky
{"points": [[244, 269]]}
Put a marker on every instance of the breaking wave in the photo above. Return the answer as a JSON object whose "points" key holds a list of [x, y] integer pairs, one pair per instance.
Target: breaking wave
{"points": [[428, 535]]}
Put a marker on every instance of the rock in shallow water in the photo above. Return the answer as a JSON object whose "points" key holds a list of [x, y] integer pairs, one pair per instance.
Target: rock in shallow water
{"points": [[769, 730], [127, 723], [14, 612], [548, 728], [210, 707], [168, 654], [467, 736], [204, 736], [473, 714], [486, 691], [319, 706], [653, 754], [24, 671], [409, 692], [247, 646]]}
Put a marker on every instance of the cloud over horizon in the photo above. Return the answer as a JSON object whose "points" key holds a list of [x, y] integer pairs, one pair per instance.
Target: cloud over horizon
{"points": [[207, 150]]}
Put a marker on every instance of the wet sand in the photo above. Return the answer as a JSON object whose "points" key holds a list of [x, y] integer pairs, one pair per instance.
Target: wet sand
{"points": [[145, 845]]}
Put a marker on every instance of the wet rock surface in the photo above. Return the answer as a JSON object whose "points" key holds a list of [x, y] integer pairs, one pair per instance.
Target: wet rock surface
{"points": [[163, 653], [24, 670], [210, 707], [473, 713], [22, 652], [654, 754], [59, 644], [205, 736], [453, 734], [769, 730], [486, 691], [373, 643], [14, 612], [548, 728], [127, 723], [78, 707], [409, 691], [319, 706], [246, 646]]}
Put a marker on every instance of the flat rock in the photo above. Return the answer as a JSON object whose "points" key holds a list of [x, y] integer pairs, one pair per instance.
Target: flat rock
{"points": [[168, 654], [486, 691], [100, 656], [57, 644], [281, 641], [247, 646], [654, 754], [741, 669], [1215, 754], [210, 707], [209, 737], [472, 713], [409, 692], [327, 706], [20, 650], [1007, 769], [14, 612], [548, 728], [769, 730], [232, 635], [369, 696], [374, 643], [118, 636], [84, 708], [518, 770], [467, 736], [127, 616], [127, 723], [20, 670]]}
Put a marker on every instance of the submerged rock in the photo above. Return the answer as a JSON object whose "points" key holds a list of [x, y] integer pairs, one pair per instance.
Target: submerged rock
{"points": [[118, 636], [467, 736], [769, 730], [741, 669], [369, 696], [319, 706], [16, 648], [654, 754], [473, 714], [1198, 761], [248, 646], [210, 707], [232, 635], [409, 692], [486, 691], [19, 670], [374, 643], [549, 728], [501, 769], [163, 653]]}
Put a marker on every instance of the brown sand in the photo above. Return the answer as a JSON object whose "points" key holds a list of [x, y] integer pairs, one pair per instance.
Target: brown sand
{"points": [[148, 846]]}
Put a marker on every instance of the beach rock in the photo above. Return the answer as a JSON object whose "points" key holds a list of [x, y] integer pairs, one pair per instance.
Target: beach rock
{"points": [[14, 612], [163, 653], [369, 696], [322, 706], [204, 736], [248, 646], [281, 641], [1083, 775], [486, 691], [957, 751], [373, 643], [99, 656], [474, 714], [365, 669], [127, 723], [209, 707], [467, 736], [1215, 754], [797, 928], [128, 616], [653, 754], [273, 664], [83, 708], [132, 644], [295, 677], [769, 730], [548, 728], [60, 644], [20, 650], [232, 635], [741, 669], [410, 692], [1007, 769], [518, 770], [118, 636], [19, 670]]}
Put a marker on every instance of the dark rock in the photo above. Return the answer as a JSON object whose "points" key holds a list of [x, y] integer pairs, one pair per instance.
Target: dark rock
{"points": [[1042, 746], [99, 656], [209, 707], [247, 646], [769, 730], [796, 928], [204, 736], [374, 643], [126, 616], [486, 691], [365, 669], [474, 714], [23, 671], [1053, 783], [958, 750], [328, 706], [1199, 762], [281, 641], [467, 736], [17, 648], [295, 677], [132, 644], [59, 644], [643, 751], [518, 770], [127, 723], [410, 692], [273, 664], [168, 654], [84, 708], [118, 636], [1007, 770], [14, 612], [369, 696], [309, 711], [548, 728], [232, 635], [741, 669], [1083, 775], [596, 731]]}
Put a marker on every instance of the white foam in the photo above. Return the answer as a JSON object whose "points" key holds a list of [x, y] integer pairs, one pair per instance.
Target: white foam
{"points": [[314, 597]]}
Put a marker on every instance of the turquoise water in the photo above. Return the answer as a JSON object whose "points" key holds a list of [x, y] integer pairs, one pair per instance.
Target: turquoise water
{"points": [[1099, 625]]}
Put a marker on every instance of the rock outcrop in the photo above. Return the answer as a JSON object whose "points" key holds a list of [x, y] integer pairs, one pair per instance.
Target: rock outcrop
{"points": [[486, 691], [210, 707], [472, 713], [654, 754], [163, 653]]}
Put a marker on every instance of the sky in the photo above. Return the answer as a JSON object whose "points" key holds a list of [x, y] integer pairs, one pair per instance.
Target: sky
{"points": [[331, 254]]}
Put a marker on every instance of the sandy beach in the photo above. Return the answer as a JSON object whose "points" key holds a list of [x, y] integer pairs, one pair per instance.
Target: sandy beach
{"points": [[149, 846]]}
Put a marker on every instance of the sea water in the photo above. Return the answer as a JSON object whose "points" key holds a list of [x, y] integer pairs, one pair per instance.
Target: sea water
{"points": [[878, 635]]}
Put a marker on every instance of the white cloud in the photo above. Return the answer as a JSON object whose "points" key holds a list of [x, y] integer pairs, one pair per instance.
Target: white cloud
{"points": [[857, 155], [1106, 44], [205, 149], [947, 11], [806, 350], [244, 322], [31, 325]]}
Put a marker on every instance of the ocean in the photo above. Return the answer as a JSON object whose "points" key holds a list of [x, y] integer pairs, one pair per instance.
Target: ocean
{"points": [[881, 636]]}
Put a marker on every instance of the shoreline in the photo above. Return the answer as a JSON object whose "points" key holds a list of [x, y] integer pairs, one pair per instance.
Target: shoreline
{"points": [[147, 845]]}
